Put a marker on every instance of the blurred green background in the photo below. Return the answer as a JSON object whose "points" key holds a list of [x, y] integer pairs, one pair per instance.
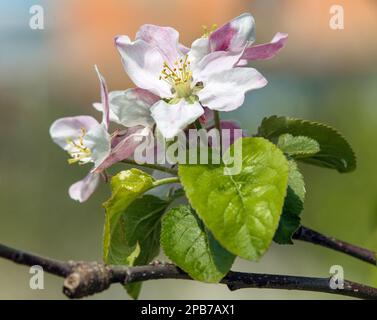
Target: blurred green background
{"points": [[323, 74]]}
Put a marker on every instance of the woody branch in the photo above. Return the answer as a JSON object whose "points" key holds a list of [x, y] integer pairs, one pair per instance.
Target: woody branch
{"points": [[87, 278]]}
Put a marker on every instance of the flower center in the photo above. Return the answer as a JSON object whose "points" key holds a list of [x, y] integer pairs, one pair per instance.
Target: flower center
{"points": [[178, 77], [78, 152]]}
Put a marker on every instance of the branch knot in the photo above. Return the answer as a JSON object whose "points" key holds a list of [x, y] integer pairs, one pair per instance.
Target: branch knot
{"points": [[86, 278]]}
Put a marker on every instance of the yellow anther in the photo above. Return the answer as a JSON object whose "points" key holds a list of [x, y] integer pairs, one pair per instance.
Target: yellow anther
{"points": [[176, 75], [79, 152], [207, 31]]}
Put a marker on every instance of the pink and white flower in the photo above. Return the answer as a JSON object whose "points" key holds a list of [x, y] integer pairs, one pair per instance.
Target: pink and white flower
{"points": [[86, 141], [175, 86], [183, 83]]}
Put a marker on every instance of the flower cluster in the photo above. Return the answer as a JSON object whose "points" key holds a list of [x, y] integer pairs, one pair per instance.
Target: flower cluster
{"points": [[175, 86]]}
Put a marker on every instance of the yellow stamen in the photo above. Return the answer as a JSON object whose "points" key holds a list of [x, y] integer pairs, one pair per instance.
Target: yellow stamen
{"points": [[79, 152], [207, 31], [178, 77]]}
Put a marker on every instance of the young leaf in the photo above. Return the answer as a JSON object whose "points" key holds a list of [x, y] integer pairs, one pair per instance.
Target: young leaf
{"points": [[126, 186], [296, 190], [288, 224], [189, 244], [298, 146], [136, 236], [242, 211], [293, 205], [133, 289], [335, 152], [132, 226]]}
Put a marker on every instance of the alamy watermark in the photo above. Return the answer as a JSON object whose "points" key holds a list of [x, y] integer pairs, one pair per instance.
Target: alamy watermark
{"points": [[336, 21], [337, 277], [36, 21], [195, 147], [36, 281]]}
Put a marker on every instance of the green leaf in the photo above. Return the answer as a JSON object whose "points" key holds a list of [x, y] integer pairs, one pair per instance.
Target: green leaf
{"points": [[293, 205], [126, 186], [135, 239], [296, 190], [297, 146], [190, 245], [288, 225], [335, 152], [242, 211], [133, 289], [133, 222]]}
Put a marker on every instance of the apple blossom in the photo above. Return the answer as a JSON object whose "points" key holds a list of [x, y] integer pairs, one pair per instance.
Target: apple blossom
{"points": [[86, 141], [156, 62]]}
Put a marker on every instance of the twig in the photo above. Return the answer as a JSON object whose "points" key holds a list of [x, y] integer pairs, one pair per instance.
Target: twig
{"points": [[309, 235], [161, 182], [216, 115], [86, 278], [152, 166], [52, 266]]}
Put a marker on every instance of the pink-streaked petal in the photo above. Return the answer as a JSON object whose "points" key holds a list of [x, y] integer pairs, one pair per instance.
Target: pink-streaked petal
{"points": [[145, 96], [214, 63], [172, 118], [117, 136], [104, 99], [234, 35], [266, 51], [143, 64], [83, 189], [125, 147], [70, 128], [226, 90], [164, 38]]}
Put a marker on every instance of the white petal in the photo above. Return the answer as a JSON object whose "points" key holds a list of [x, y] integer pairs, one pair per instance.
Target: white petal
{"points": [[83, 189], [98, 140], [166, 39], [172, 118], [99, 107], [199, 49], [225, 91], [214, 63], [143, 64], [183, 48], [70, 128], [132, 107]]}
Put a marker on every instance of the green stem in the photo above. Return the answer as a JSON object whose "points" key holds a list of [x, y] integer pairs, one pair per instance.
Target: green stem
{"points": [[165, 181], [151, 166], [218, 127], [217, 120], [198, 125]]}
